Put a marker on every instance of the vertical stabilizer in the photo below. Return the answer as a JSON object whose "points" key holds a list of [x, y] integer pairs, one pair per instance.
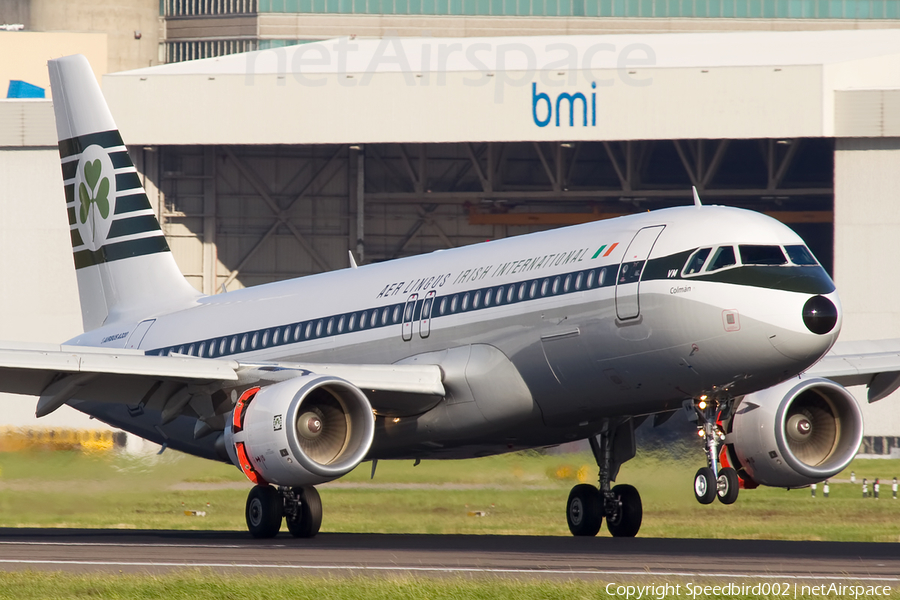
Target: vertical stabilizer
{"points": [[122, 261]]}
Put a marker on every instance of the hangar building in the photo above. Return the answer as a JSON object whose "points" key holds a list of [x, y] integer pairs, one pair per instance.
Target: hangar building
{"points": [[274, 164]]}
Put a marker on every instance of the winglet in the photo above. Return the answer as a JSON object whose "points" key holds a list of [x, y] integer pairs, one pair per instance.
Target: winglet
{"points": [[353, 264], [697, 202]]}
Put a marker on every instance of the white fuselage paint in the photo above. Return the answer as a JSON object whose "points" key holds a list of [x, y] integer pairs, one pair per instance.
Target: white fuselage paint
{"points": [[579, 360]]}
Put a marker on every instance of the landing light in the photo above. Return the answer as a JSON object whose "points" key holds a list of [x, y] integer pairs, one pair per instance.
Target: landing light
{"points": [[702, 404], [701, 433]]}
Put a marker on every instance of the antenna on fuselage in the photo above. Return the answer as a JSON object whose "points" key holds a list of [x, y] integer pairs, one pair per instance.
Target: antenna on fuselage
{"points": [[697, 202], [353, 264]]}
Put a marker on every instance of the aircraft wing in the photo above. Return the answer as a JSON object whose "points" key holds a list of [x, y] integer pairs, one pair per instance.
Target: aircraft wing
{"points": [[59, 373], [873, 363]]}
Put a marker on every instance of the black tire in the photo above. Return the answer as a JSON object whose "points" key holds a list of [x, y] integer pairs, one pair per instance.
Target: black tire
{"points": [[705, 486], [309, 517], [584, 510], [264, 511], [728, 486], [626, 521]]}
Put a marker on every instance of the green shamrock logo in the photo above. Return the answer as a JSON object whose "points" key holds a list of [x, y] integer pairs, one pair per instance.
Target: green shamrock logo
{"points": [[92, 194]]}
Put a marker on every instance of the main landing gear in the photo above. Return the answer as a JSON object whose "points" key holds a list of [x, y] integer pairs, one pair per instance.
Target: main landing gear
{"points": [[300, 507], [621, 505], [714, 481]]}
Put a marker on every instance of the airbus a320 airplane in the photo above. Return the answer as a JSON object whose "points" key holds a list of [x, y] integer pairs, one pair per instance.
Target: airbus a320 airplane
{"points": [[572, 334]]}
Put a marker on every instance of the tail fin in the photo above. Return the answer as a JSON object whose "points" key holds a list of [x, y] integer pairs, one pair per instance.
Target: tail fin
{"points": [[123, 264]]}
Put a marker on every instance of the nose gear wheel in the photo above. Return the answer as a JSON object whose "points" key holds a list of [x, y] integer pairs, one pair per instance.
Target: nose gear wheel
{"points": [[714, 480]]}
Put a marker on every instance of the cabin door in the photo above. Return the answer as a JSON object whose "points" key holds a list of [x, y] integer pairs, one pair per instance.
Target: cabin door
{"points": [[628, 305]]}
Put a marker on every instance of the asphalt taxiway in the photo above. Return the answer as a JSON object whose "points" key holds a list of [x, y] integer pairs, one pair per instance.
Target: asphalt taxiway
{"points": [[81, 550]]}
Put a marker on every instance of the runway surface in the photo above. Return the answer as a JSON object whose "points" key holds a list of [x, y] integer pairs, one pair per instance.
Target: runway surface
{"points": [[80, 550]]}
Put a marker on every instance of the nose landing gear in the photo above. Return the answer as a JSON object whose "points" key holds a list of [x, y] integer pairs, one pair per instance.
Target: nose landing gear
{"points": [[714, 481], [621, 505]]}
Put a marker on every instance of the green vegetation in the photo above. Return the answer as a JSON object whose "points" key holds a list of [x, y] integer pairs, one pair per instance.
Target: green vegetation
{"points": [[522, 493], [202, 585]]}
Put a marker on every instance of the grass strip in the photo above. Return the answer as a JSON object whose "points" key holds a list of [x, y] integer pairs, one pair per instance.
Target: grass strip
{"points": [[202, 585]]}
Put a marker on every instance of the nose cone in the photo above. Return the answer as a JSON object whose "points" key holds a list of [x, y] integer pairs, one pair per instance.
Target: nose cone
{"points": [[820, 315], [811, 335]]}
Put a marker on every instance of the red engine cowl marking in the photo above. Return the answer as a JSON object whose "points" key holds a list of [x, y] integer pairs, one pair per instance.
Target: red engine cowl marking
{"points": [[246, 467], [237, 420]]}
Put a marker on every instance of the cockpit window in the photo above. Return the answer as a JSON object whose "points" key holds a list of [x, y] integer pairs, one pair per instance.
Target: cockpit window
{"points": [[695, 262], [722, 257], [800, 255], [762, 255]]}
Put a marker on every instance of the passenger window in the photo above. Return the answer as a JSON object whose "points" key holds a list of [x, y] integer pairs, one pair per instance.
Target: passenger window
{"points": [[341, 324], [319, 326], [602, 279], [762, 255], [191, 350], [800, 255], [265, 338], [465, 301], [308, 333], [254, 340], [476, 301], [385, 314], [579, 279], [487, 297], [352, 324], [362, 319], [695, 262], [453, 302], [287, 334], [222, 345], [297, 331], [568, 284], [202, 350], [722, 257], [500, 295], [533, 291], [276, 335], [510, 294], [244, 341], [523, 287], [545, 285], [426, 308], [396, 314], [443, 308], [233, 345], [590, 279], [330, 327]]}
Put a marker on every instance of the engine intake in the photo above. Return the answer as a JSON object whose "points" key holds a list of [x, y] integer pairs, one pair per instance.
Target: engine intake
{"points": [[795, 433], [303, 431]]}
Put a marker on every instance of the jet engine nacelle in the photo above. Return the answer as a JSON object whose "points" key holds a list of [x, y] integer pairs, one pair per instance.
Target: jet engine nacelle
{"points": [[303, 431], [796, 433]]}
